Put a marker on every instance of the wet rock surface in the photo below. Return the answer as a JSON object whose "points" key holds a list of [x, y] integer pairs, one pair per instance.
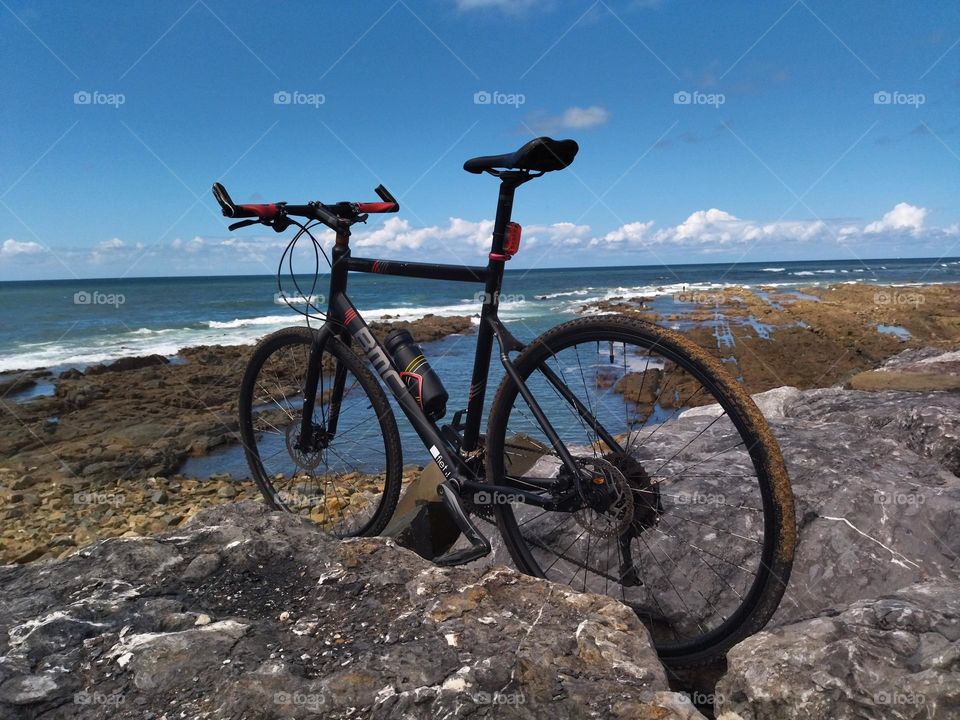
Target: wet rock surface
{"points": [[811, 337], [246, 613]]}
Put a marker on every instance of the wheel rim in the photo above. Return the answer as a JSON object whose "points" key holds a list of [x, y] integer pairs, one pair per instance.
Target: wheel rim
{"points": [[701, 544]]}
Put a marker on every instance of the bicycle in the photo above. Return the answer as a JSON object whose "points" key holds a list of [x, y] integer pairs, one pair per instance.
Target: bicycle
{"points": [[583, 440]]}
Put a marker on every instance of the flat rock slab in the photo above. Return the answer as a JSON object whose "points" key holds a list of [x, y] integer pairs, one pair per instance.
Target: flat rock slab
{"points": [[897, 656], [248, 613]]}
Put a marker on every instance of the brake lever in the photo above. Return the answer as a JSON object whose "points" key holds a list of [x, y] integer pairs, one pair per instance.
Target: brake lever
{"points": [[242, 223]]}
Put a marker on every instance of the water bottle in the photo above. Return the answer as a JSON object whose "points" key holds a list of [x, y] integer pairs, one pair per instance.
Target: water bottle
{"points": [[421, 380]]}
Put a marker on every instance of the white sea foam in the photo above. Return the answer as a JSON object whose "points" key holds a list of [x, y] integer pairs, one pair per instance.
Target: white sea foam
{"points": [[567, 293]]}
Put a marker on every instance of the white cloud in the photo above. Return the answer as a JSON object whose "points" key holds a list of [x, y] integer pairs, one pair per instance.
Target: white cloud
{"points": [[12, 247], [573, 118], [556, 234], [904, 216], [580, 118], [714, 229], [717, 227], [702, 232], [629, 234], [708, 230], [397, 234], [189, 246]]}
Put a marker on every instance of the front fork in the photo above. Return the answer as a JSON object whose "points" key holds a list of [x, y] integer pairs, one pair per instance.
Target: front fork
{"points": [[308, 439]]}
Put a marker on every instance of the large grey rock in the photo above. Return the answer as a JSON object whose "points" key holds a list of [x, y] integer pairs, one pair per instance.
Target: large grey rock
{"points": [[897, 656], [878, 500], [247, 613], [875, 481]]}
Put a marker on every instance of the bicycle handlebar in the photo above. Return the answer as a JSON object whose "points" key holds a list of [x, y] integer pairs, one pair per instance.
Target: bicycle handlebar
{"points": [[334, 216]]}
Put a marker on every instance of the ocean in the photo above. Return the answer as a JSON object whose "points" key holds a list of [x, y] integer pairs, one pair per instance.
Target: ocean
{"points": [[75, 323]]}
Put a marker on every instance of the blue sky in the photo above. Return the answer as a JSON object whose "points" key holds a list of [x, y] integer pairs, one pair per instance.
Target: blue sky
{"points": [[709, 132]]}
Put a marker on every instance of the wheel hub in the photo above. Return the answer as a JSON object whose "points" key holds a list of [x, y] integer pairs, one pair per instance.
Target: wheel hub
{"points": [[310, 456]]}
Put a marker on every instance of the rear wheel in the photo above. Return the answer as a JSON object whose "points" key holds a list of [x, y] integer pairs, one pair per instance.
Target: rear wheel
{"points": [[687, 518], [349, 481]]}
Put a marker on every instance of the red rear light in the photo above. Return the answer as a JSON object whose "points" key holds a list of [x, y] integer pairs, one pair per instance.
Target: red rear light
{"points": [[511, 243]]}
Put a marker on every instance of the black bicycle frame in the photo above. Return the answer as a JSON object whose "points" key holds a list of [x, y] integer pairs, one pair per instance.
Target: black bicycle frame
{"points": [[345, 322]]}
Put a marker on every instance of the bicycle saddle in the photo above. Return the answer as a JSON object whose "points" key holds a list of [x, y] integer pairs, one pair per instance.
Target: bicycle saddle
{"points": [[542, 154]]}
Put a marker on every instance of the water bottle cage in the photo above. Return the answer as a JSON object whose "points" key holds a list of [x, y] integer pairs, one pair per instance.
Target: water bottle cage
{"points": [[418, 379]]}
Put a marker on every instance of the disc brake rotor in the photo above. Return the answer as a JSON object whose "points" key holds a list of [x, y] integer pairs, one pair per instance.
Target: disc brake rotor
{"points": [[607, 497], [304, 460]]}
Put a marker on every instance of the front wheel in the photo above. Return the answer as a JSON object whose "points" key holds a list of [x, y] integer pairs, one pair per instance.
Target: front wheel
{"points": [[347, 476], [679, 505]]}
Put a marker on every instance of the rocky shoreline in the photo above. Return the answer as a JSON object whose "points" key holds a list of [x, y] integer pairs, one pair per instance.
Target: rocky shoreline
{"points": [[810, 337], [100, 456]]}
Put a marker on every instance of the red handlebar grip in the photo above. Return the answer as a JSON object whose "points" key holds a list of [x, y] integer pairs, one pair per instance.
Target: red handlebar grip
{"points": [[264, 212], [377, 207]]}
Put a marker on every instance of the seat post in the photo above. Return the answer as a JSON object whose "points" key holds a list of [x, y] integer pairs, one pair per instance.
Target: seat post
{"points": [[508, 187], [509, 182]]}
